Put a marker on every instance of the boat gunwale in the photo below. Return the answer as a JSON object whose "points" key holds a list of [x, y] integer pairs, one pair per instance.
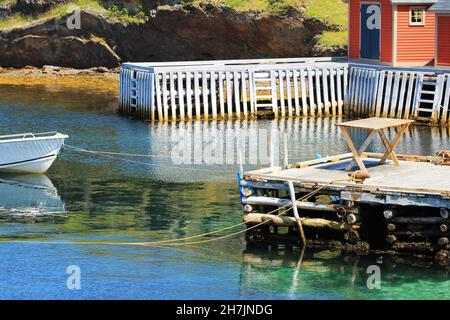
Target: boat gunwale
{"points": [[23, 137]]}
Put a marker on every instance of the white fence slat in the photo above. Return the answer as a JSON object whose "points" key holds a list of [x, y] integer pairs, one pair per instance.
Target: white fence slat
{"points": [[395, 93], [312, 105], [180, 95], [296, 95], [244, 92], [387, 95], [237, 95], [213, 94], [401, 100], [289, 92], [304, 97], [410, 94], [221, 95], [445, 105]]}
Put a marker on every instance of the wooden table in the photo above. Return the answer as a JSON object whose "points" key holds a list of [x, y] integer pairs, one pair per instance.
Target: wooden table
{"points": [[374, 125]]}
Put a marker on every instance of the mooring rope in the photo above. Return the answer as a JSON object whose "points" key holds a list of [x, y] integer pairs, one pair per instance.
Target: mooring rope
{"points": [[181, 241], [140, 155], [112, 155]]}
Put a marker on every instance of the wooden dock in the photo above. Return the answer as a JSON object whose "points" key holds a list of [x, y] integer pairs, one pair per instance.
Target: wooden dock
{"points": [[303, 87], [400, 208]]}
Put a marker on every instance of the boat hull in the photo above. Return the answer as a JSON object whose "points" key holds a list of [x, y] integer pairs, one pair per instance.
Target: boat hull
{"points": [[33, 155]]}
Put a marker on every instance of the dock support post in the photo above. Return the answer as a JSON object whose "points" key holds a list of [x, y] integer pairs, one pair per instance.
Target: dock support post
{"points": [[295, 210]]}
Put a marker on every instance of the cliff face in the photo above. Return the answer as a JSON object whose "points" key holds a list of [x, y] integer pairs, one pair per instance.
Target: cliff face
{"points": [[190, 32]]}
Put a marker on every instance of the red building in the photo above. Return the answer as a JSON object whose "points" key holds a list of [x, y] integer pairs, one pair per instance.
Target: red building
{"points": [[442, 50], [395, 32]]}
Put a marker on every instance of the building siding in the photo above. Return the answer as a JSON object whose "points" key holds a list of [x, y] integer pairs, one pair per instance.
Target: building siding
{"points": [[443, 47], [415, 43], [386, 30]]}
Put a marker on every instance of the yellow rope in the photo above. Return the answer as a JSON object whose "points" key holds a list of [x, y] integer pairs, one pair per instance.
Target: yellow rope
{"points": [[167, 242], [179, 241]]}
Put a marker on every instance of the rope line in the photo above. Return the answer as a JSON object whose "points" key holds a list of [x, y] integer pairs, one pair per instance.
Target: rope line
{"points": [[119, 153], [112, 156], [181, 241]]}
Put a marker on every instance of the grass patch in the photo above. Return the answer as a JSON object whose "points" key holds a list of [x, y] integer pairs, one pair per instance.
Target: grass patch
{"points": [[20, 20], [333, 11], [124, 15], [6, 2], [273, 7], [245, 5], [331, 39]]}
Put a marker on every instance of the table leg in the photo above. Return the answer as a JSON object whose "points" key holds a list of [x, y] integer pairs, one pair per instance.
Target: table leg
{"points": [[389, 151], [352, 147], [393, 144], [362, 148]]}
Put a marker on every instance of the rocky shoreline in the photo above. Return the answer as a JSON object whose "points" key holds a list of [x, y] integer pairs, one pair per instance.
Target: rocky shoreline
{"points": [[173, 32], [51, 77]]}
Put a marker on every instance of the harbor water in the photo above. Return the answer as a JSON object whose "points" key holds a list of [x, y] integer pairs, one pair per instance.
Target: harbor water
{"points": [[91, 210]]}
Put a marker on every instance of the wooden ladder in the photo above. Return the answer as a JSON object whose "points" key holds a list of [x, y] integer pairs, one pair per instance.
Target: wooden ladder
{"points": [[133, 92], [428, 98], [264, 89]]}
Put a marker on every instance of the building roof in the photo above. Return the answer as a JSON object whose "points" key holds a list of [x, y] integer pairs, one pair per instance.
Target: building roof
{"points": [[414, 1], [442, 6], [410, 1]]}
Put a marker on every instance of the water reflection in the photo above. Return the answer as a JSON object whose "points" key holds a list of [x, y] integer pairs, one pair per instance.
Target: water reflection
{"points": [[317, 274], [29, 196], [109, 199]]}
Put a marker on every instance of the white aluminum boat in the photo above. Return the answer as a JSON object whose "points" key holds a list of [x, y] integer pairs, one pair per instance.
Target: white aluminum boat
{"points": [[28, 152]]}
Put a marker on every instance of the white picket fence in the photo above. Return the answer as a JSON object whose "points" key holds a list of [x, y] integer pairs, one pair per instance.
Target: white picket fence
{"points": [[283, 87], [403, 94]]}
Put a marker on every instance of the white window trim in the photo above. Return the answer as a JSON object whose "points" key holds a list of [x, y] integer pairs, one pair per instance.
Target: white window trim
{"points": [[417, 24]]}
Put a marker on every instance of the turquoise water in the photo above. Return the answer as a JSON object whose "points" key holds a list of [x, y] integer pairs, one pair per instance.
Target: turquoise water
{"points": [[46, 220]]}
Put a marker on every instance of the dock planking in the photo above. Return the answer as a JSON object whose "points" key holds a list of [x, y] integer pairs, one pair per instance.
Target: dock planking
{"points": [[400, 209]]}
